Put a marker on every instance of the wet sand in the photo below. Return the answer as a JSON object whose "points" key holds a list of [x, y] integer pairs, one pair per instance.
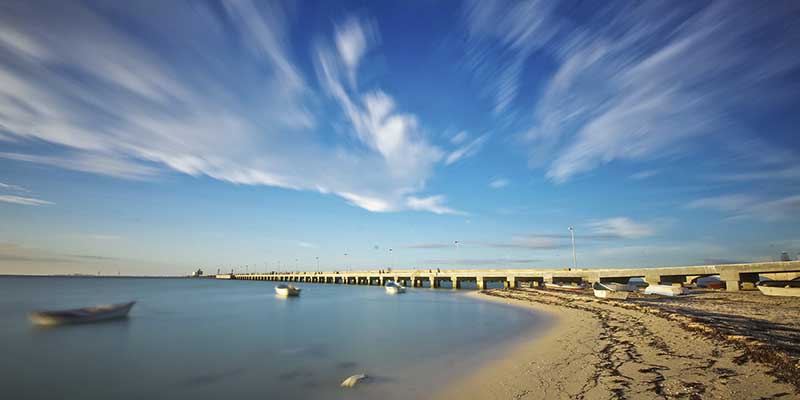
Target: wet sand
{"points": [[708, 345]]}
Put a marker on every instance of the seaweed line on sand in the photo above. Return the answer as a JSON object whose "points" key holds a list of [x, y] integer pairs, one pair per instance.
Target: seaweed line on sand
{"points": [[780, 359]]}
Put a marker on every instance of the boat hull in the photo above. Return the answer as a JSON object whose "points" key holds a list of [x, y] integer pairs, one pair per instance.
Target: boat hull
{"points": [[620, 287], [610, 294], [82, 315], [395, 289], [666, 290], [287, 291], [568, 288], [780, 288]]}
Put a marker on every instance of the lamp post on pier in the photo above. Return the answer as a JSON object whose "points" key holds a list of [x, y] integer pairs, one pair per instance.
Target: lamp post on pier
{"points": [[574, 256]]}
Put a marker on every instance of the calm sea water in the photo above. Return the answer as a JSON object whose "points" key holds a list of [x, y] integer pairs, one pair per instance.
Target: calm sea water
{"points": [[207, 339]]}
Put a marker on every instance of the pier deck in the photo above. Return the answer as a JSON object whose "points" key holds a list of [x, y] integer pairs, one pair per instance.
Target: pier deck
{"points": [[732, 274]]}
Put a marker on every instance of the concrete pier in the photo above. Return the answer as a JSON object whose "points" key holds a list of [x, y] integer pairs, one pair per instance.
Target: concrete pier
{"points": [[732, 274]]}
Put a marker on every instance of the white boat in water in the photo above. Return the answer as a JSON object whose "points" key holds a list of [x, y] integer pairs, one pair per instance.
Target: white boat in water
{"points": [[287, 290], [780, 288], [666, 290], [393, 287], [572, 287], [82, 315], [609, 291]]}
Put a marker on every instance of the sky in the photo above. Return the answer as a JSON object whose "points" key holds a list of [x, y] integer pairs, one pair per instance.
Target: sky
{"points": [[158, 137]]}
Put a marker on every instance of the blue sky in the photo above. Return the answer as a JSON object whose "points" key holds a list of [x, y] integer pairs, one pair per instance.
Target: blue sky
{"points": [[155, 137]]}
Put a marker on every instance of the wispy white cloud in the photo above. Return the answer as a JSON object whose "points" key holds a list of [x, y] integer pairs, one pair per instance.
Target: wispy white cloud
{"points": [[306, 245], [26, 201], [621, 227], [459, 137], [648, 173], [353, 40], [499, 183], [398, 139], [530, 242], [142, 106], [117, 167], [516, 29], [747, 206], [434, 204], [634, 83], [486, 262], [16, 188], [467, 150], [733, 202], [791, 173]]}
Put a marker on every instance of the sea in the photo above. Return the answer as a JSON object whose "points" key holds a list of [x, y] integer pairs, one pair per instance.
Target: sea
{"points": [[227, 339]]}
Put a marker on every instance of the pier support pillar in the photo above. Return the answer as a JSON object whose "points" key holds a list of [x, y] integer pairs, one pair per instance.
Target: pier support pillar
{"points": [[479, 282], [433, 281], [510, 283], [456, 282], [653, 279], [731, 283], [733, 280]]}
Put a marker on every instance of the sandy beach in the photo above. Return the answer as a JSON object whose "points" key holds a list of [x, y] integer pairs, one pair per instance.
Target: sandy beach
{"points": [[708, 345]]}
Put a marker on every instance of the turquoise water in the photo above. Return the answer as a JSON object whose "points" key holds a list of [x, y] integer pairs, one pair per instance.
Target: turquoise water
{"points": [[206, 339]]}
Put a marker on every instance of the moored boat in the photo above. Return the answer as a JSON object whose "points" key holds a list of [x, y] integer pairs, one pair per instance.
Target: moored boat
{"points": [[393, 287], [82, 315], [572, 287], [780, 288], [287, 290], [609, 291], [666, 290]]}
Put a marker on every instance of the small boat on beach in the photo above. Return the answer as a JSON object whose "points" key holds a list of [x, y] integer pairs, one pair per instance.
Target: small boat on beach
{"points": [[666, 290], [620, 287], [609, 291], [82, 315], [393, 287], [287, 290], [572, 287], [780, 288]]}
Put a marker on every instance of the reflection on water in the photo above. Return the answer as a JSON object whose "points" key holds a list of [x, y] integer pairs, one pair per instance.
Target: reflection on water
{"points": [[202, 338]]}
